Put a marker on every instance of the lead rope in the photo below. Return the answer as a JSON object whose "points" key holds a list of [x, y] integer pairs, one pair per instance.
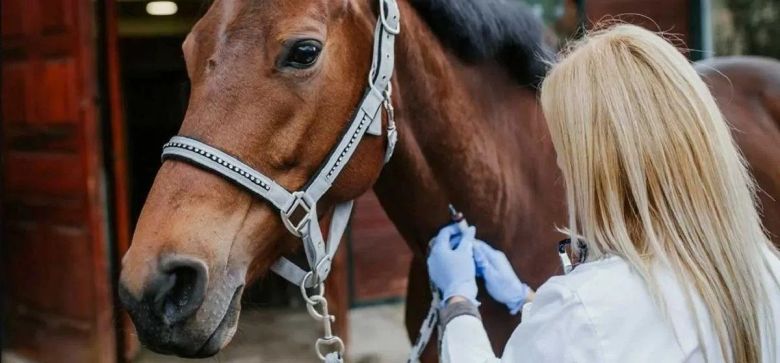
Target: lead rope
{"points": [[427, 327]]}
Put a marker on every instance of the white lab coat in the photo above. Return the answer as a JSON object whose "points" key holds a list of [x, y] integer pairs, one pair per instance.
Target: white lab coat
{"points": [[603, 312]]}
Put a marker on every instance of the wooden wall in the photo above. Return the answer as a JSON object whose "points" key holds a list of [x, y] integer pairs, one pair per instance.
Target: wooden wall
{"points": [[379, 256], [55, 252]]}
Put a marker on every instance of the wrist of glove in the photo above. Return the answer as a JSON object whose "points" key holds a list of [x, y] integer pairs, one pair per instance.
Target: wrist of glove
{"points": [[521, 296], [501, 282], [466, 290]]}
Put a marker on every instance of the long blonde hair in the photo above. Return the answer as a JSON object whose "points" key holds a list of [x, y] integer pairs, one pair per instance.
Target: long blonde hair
{"points": [[653, 175]]}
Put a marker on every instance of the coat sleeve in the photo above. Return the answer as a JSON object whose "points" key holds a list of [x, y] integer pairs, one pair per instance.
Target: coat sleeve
{"points": [[556, 328], [465, 341]]}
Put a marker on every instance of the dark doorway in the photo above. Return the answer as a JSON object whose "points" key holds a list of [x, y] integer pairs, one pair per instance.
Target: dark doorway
{"points": [[156, 89], [155, 85]]}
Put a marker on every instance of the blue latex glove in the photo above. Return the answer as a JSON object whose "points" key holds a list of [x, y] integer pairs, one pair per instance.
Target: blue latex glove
{"points": [[500, 279], [451, 269]]}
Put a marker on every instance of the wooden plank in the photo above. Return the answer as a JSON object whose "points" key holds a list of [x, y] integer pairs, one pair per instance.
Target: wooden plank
{"points": [[25, 137], [128, 339], [56, 18], [51, 174], [12, 21], [58, 87], [68, 212], [56, 255], [105, 343], [14, 91]]}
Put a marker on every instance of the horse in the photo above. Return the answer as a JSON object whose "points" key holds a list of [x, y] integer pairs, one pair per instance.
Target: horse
{"points": [[471, 133], [747, 90]]}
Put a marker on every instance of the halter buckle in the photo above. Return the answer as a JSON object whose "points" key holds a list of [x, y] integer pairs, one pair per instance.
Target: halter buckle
{"points": [[302, 203], [384, 16]]}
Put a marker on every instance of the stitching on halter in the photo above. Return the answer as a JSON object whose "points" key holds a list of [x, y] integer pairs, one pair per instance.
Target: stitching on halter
{"points": [[241, 171]]}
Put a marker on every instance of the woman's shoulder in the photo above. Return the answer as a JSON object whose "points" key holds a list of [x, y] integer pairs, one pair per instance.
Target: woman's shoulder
{"points": [[616, 306], [607, 289], [601, 273], [608, 285]]}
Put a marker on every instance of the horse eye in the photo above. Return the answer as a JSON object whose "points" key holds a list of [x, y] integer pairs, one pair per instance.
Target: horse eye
{"points": [[303, 54]]}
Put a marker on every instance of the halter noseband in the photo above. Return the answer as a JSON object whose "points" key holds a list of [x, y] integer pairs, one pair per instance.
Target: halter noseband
{"points": [[298, 210]]}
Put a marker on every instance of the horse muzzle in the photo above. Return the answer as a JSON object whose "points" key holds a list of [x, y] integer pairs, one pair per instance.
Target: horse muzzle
{"points": [[166, 314]]}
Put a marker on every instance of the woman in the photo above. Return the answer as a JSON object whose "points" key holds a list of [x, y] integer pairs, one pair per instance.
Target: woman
{"points": [[676, 266]]}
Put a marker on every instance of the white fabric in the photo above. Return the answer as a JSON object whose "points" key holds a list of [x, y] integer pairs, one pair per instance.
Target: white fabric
{"points": [[603, 312]]}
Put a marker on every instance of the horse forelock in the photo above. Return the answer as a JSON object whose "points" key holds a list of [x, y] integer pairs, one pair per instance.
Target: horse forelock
{"points": [[501, 30]]}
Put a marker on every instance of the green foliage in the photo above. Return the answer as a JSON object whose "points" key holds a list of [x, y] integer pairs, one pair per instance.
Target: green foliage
{"points": [[548, 10], [747, 27]]}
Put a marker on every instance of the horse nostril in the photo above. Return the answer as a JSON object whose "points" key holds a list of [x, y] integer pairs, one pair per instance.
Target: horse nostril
{"points": [[179, 290], [182, 283]]}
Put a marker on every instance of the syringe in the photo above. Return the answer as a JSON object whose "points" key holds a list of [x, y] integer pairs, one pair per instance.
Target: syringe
{"points": [[460, 220]]}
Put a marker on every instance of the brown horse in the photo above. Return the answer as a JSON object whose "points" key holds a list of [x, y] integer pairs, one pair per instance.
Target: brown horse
{"points": [[748, 92], [471, 133]]}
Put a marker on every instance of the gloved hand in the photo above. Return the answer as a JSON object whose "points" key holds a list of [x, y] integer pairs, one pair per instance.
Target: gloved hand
{"points": [[500, 279], [451, 269]]}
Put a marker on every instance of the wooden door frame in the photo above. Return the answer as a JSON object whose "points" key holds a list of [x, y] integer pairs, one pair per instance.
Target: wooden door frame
{"points": [[116, 164], [97, 198]]}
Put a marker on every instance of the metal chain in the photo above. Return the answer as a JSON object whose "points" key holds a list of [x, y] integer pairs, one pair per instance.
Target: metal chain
{"points": [[317, 306]]}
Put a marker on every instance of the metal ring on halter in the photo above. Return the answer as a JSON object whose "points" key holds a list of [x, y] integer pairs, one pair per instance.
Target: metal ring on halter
{"points": [[319, 316], [302, 286], [321, 342], [371, 73], [300, 200], [383, 17]]}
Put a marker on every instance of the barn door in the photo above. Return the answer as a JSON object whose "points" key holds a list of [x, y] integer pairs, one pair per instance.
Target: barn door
{"points": [[55, 252]]}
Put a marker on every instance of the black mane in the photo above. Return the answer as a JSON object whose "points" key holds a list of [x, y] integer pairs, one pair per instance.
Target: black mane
{"points": [[477, 30]]}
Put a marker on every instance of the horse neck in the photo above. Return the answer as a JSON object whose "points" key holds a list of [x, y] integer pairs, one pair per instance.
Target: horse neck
{"points": [[468, 136]]}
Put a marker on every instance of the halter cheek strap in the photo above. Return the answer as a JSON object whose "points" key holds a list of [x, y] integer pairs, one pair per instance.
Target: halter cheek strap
{"points": [[298, 209]]}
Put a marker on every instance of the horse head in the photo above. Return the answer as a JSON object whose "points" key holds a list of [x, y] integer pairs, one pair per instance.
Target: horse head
{"points": [[273, 84]]}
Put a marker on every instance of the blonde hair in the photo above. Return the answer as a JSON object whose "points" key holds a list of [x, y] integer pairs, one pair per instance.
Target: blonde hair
{"points": [[653, 175]]}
